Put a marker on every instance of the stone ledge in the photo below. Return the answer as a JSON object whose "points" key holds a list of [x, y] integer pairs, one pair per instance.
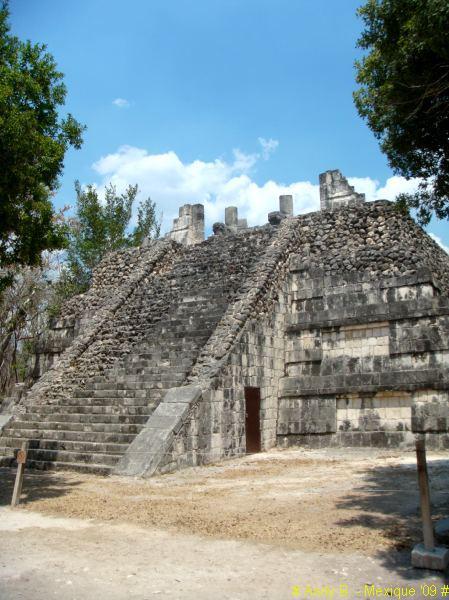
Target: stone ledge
{"points": [[304, 356], [416, 346], [370, 313], [358, 439], [4, 420], [364, 382], [320, 281], [145, 453]]}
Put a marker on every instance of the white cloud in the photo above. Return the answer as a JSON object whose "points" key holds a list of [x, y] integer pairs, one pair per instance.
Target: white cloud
{"points": [[121, 103], [219, 183], [393, 186], [268, 147], [243, 162], [216, 184], [440, 242]]}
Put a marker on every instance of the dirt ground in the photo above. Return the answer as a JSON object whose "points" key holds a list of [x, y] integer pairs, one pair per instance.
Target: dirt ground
{"points": [[249, 528]]}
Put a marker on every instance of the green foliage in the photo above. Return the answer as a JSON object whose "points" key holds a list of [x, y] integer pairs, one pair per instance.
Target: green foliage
{"points": [[33, 142], [404, 93], [148, 224], [98, 228], [23, 320]]}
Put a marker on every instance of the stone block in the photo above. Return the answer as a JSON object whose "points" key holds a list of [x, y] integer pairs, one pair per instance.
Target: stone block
{"points": [[150, 447], [231, 217], [286, 205], [188, 228], [4, 420], [436, 559], [310, 416]]}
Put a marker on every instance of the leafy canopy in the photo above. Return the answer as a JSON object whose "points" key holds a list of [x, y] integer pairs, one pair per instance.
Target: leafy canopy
{"points": [[33, 142], [98, 228], [404, 93]]}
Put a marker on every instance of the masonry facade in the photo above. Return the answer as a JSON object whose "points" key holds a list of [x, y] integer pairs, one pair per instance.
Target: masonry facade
{"points": [[333, 324]]}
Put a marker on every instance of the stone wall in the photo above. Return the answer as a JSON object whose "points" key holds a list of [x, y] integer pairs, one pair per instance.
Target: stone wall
{"points": [[117, 270], [215, 427], [367, 331], [92, 345], [339, 317], [246, 349], [323, 327]]}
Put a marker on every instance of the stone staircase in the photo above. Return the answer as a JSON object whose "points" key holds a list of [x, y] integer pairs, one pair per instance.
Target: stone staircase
{"points": [[149, 347]]}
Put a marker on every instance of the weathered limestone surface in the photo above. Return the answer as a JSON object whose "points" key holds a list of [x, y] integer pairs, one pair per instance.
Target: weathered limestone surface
{"points": [[99, 394], [232, 222], [4, 420], [118, 270], [326, 313], [188, 228], [367, 332], [149, 449], [336, 192], [339, 317]]}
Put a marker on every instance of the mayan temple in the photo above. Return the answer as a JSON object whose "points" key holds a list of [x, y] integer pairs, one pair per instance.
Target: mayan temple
{"points": [[324, 329]]}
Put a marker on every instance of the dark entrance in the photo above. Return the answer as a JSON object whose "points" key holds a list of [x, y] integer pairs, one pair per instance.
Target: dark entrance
{"points": [[252, 419]]}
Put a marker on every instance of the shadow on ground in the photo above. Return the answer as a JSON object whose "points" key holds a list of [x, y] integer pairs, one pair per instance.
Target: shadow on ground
{"points": [[388, 499], [37, 485]]}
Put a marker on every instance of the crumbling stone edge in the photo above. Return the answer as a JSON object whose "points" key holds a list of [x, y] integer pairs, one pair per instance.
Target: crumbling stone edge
{"points": [[4, 420], [54, 379], [149, 448]]}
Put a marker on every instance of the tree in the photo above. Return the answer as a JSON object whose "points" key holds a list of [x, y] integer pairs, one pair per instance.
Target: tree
{"points": [[148, 224], [98, 228], [23, 320], [33, 142], [404, 94]]}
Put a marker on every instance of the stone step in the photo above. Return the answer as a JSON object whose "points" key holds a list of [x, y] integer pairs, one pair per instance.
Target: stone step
{"points": [[98, 408], [167, 322], [106, 394], [134, 371], [54, 425], [184, 314], [66, 456], [94, 469], [109, 398], [155, 353], [6, 454], [130, 395], [179, 338], [74, 436], [128, 387], [154, 347], [133, 375], [164, 360], [86, 399], [87, 418], [91, 447], [116, 397], [212, 307], [140, 376], [152, 368]]}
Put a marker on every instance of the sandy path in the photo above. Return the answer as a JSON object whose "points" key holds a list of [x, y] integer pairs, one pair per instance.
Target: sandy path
{"points": [[250, 528], [44, 557]]}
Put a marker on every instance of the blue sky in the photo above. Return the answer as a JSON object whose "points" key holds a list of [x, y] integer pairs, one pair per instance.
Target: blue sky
{"points": [[214, 101]]}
